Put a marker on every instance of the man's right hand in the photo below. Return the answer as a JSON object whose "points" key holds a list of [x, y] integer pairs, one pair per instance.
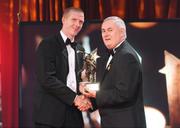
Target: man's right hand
{"points": [[82, 103]]}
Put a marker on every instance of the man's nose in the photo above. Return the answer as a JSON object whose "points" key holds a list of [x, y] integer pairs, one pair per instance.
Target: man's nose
{"points": [[106, 34]]}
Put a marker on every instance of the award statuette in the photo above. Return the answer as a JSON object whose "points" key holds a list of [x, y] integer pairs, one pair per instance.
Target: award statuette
{"points": [[90, 70]]}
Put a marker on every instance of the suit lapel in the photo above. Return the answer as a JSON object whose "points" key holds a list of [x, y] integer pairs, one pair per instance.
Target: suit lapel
{"points": [[118, 49], [108, 68], [65, 53], [76, 59], [62, 46], [62, 52]]}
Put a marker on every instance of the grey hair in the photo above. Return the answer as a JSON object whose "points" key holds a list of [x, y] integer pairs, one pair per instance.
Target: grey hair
{"points": [[118, 21]]}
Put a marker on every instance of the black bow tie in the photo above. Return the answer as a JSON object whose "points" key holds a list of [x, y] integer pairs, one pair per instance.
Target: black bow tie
{"points": [[68, 42], [111, 52]]}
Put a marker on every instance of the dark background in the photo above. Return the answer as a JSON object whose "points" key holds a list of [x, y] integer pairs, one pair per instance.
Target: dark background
{"points": [[150, 43]]}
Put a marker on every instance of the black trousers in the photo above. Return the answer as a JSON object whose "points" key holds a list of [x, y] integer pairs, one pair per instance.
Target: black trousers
{"points": [[73, 119]]}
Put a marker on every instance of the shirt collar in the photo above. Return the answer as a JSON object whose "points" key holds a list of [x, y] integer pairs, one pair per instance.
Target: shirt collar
{"points": [[64, 36], [114, 49]]}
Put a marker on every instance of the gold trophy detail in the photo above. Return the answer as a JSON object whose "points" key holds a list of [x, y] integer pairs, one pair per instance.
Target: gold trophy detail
{"points": [[89, 71]]}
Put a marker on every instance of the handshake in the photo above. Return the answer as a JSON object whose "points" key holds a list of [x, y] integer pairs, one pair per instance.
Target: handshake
{"points": [[82, 102], [88, 89]]}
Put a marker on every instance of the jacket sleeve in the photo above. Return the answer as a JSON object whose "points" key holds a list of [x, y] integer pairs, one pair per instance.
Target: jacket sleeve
{"points": [[47, 74]]}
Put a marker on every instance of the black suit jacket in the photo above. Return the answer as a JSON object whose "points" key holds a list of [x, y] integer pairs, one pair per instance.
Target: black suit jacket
{"points": [[120, 99], [52, 97]]}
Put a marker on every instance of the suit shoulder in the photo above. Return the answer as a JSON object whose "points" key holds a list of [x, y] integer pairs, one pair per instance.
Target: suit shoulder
{"points": [[128, 49], [48, 45], [127, 53], [48, 42]]}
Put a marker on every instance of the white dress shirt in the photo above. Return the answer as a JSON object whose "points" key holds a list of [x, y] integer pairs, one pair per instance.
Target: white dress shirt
{"points": [[71, 77]]}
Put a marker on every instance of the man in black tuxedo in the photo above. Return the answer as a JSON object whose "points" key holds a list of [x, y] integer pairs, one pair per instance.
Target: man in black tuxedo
{"points": [[120, 98], [57, 99]]}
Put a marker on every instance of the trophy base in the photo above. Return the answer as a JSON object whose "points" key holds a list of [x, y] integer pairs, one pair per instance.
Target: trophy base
{"points": [[92, 86]]}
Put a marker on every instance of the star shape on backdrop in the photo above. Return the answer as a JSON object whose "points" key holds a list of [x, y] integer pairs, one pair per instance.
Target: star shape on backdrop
{"points": [[171, 68]]}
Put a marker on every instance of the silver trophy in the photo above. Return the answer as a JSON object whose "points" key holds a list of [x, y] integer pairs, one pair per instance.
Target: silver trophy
{"points": [[90, 70]]}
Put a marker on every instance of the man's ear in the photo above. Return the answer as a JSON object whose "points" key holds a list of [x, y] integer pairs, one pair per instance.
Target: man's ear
{"points": [[122, 31]]}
